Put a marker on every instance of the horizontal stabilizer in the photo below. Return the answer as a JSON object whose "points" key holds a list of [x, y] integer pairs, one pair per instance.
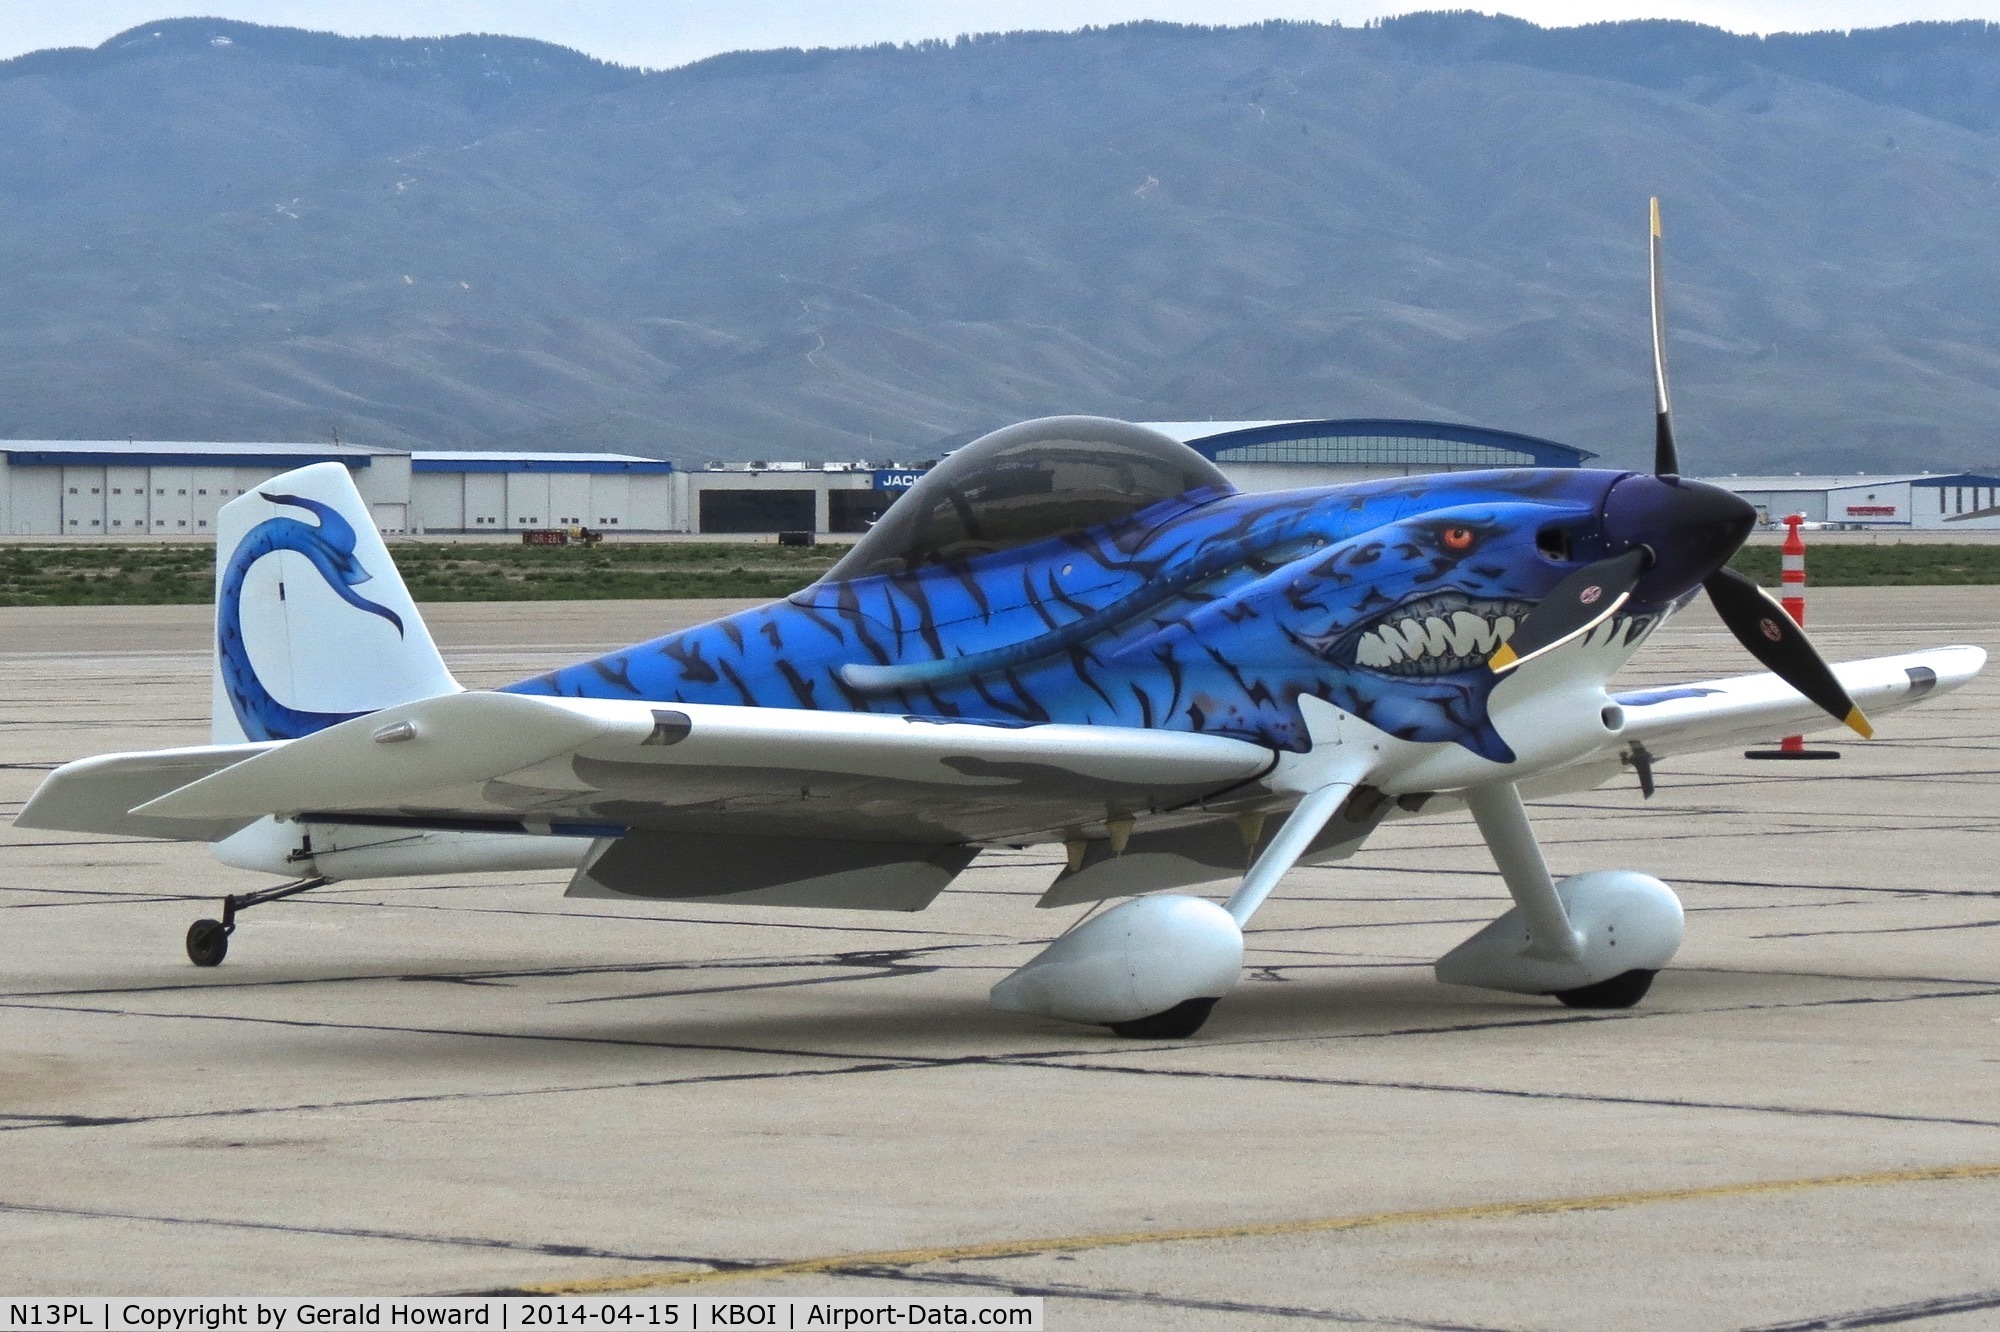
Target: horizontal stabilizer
{"points": [[94, 795], [388, 757]]}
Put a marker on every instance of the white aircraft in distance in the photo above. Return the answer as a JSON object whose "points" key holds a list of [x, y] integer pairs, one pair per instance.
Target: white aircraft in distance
{"points": [[1074, 631]]}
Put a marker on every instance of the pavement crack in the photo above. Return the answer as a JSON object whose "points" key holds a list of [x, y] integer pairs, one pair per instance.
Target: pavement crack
{"points": [[555, 1250], [1517, 1093], [1890, 1314], [1061, 1290]]}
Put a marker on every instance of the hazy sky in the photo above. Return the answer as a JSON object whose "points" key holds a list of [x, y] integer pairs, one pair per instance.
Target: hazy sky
{"points": [[664, 34]]}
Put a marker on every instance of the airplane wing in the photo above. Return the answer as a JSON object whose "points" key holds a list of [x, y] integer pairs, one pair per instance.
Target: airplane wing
{"points": [[510, 762], [1719, 714], [827, 808]]}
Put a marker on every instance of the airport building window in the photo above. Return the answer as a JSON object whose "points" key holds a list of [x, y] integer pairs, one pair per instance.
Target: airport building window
{"points": [[1377, 450], [856, 510], [756, 510]]}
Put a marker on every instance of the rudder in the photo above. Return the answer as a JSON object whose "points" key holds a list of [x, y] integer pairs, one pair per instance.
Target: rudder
{"points": [[298, 647]]}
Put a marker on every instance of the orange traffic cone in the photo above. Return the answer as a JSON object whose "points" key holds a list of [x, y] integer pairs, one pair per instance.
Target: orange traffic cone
{"points": [[1793, 595]]}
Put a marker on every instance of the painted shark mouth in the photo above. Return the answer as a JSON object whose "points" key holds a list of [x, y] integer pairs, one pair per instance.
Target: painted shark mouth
{"points": [[1440, 634]]}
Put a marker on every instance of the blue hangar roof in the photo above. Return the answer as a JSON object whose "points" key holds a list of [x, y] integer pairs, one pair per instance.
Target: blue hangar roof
{"points": [[194, 453], [180, 453], [1370, 441], [477, 460]]}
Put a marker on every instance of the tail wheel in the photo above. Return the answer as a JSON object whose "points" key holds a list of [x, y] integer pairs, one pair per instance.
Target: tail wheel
{"points": [[207, 943]]}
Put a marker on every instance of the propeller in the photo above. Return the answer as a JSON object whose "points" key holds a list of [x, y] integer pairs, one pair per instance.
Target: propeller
{"points": [[1666, 458], [1595, 592], [1762, 625], [1576, 605]]}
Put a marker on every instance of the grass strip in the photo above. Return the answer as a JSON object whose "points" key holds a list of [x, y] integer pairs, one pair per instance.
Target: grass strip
{"points": [[159, 575]]}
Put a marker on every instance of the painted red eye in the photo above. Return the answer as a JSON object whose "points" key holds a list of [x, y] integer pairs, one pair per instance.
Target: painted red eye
{"points": [[1458, 540]]}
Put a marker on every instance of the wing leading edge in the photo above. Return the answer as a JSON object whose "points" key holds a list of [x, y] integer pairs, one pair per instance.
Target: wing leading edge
{"points": [[504, 759]]}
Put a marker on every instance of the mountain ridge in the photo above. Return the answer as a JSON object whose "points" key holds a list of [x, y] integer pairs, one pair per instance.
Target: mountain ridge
{"points": [[483, 241]]}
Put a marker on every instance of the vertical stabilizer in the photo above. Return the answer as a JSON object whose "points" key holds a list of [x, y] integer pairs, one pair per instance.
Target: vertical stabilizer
{"points": [[313, 625]]}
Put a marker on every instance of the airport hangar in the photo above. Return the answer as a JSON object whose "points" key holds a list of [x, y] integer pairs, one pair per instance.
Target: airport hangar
{"points": [[1927, 501], [122, 489]]}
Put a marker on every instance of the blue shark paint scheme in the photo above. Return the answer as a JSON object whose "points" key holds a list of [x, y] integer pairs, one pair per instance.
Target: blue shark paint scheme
{"points": [[1211, 612], [330, 548]]}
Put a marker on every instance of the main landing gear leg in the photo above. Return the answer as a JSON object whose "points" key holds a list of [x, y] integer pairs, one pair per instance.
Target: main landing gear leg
{"points": [[208, 940], [1594, 940], [1153, 967]]}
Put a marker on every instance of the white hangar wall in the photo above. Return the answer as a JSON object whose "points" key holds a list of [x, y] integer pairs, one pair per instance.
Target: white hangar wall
{"points": [[124, 489], [457, 491], [1929, 501]]}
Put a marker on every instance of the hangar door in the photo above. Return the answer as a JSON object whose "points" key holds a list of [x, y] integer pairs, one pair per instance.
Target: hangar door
{"points": [[757, 510]]}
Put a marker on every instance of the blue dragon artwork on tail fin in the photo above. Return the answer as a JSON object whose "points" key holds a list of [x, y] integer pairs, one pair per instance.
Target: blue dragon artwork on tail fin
{"points": [[330, 548]]}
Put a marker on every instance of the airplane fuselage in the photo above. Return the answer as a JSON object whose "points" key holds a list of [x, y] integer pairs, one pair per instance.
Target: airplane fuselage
{"points": [[1209, 612]]}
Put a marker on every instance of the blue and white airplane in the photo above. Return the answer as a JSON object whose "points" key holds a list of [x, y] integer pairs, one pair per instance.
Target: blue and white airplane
{"points": [[1074, 631]]}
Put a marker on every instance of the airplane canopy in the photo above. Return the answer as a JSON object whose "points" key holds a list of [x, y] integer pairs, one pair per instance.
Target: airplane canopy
{"points": [[1027, 483]]}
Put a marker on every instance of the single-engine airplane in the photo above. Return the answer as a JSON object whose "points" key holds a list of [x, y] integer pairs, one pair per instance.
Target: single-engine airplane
{"points": [[1073, 631]]}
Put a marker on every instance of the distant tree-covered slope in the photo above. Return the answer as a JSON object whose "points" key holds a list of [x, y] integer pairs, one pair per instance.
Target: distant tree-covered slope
{"points": [[216, 230]]}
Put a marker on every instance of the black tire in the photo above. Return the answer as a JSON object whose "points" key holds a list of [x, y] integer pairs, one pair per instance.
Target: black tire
{"points": [[1184, 1019], [1621, 991], [207, 943]]}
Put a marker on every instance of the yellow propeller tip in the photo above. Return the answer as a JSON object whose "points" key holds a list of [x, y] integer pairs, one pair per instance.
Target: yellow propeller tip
{"points": [[1859, 724], [1504, 658], [1656, 215]]}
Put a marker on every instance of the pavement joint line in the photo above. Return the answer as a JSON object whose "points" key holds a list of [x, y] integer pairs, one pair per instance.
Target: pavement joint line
{"points": [[1883, 1315], [857, 957], [1028, 1247], [1063, 1290], [1078, 1064], [558, 1038], [1885, 929], [345, 1232]]}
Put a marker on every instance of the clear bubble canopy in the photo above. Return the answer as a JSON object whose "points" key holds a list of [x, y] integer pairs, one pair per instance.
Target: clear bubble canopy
{"points": [[1028, 483]]}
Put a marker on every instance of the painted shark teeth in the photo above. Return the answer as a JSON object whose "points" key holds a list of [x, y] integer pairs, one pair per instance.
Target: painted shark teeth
{"points": [[1437, 635], [1440, 635], [1450, 644]]}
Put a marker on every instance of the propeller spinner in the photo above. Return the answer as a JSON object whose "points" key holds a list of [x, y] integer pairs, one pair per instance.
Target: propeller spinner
{"points": [[1671, 533]]}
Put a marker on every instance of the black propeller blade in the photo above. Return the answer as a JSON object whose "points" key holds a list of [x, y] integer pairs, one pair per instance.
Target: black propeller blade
{"points": [[1575, 606], [1761, 625], [1666, 458]]}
